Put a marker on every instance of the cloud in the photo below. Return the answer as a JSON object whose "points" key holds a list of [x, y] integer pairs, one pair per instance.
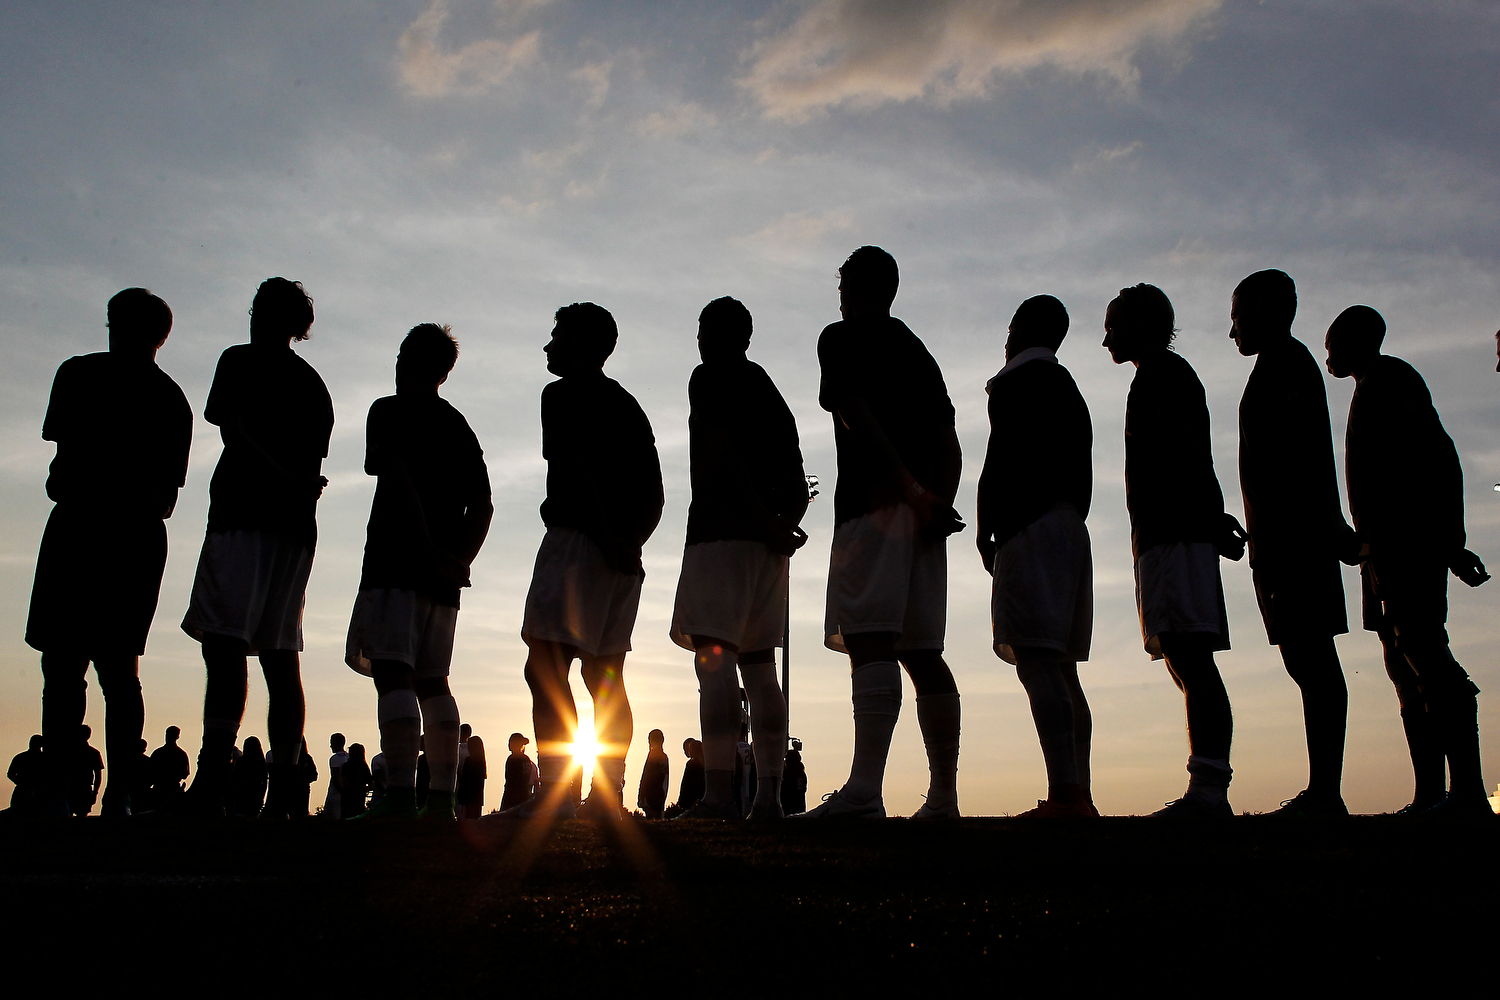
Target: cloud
{"points": [[866, 52], [802, 228], [677, 120], [429, 70]]}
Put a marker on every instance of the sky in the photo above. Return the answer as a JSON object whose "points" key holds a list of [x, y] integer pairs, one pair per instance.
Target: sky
{"points": [[482, 163]]}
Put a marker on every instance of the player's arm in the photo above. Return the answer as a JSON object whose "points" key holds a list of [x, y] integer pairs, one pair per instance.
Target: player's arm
{"points": [[783, 538], [235, 431], [928, 501]]}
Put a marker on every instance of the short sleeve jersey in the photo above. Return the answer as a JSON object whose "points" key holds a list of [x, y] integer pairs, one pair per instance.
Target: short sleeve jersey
{"points": [[884, 364], [285, 407], [736, 402], [123, 430], [431, 441]]}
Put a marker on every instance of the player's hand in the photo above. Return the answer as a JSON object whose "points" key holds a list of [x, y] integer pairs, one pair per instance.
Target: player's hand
{"points": [[785, 540], [987, 549], [622, 556], [319, 484], [1348, 547], [450, 570], [1232, 538], [1469, 568]]}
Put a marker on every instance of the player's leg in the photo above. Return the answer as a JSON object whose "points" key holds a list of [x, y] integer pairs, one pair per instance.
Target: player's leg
{"points": [[1045, 674], [64, 702], [768, 729], [124, 718], [399, 714], [939, 715], [554, 717], [1210, 722], [1453, 708], [876, 681], [1083, 728], [716, 664], [440, 724], [1314, 664], [614, 727], [1422, 740], [226, 663]]}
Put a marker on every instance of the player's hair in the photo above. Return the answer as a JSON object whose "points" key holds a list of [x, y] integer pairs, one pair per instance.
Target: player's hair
{"points": [[139, 317], [1040, 321], [592, 323], [434, 346], [1274, 296], [873, 272], [728, 318], [282, 307], [1148, 312], [1361, 322]]}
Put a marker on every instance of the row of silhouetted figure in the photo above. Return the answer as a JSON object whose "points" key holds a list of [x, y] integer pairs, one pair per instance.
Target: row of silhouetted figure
{"points": [[122, 428]]}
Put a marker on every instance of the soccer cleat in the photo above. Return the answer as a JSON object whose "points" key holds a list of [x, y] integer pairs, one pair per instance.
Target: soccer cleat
{"points": [[930, 811], [599, 806], [703, 809], [1194, 808], [1305, 805], [766, 811], [439, 806], [399, 803], [1473, 807], [835, 806], [116, 804], [1049, 809], [1413, 808], [548, 801]]}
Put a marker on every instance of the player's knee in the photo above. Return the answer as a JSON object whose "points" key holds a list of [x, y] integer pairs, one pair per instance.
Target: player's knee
{"points": [[929, 673], [431, 687]]}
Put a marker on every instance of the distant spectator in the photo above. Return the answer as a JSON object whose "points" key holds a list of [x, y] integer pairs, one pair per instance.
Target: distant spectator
{"points": [[354, 781], [794, 782], [28, 776], [378, 775], [656, 777], [333, 801], [691, 789], [520, 774], [464, 732], [471, 776], [169, 769], [247, 784], [140, 780], [300, 793], [85, 776]]}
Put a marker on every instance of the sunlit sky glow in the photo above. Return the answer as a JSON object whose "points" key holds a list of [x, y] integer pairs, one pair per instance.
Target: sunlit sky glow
{"points": [[481, 163]]}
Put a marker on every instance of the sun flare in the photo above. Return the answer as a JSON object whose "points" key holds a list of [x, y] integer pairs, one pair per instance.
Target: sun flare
{"points": [[585, 749]]}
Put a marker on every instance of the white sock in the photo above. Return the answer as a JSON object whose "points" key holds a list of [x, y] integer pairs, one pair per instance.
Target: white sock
{"points": [[611, 770], [400, 720], [877, 706], [552, 768], [718, 705], [440, 726], [939, 716], [767, 718], [1208, 779]]}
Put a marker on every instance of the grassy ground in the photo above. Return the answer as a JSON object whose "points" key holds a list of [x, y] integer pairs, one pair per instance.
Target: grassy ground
{"points": [[699, 908]]}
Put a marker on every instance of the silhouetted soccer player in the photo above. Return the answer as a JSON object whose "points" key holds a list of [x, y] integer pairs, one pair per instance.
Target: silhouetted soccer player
{"points": [[1034, 495], [749, 493], [1296, 527], [28, 773], [520, 773], [122, 429], [1406, 496], [898, 469], [794, 781], [1178, 530], [248, 786], [656, 777], [169, 769], [275, 416], [333, 801], [430, 516], [690, 791], [604, 499]]}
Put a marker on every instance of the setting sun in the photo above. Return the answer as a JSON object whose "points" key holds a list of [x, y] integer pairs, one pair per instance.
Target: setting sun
{"points": [[585, 749]]}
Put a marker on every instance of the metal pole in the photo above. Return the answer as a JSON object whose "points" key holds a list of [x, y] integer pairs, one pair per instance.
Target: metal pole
{"points": [[786, 658]]}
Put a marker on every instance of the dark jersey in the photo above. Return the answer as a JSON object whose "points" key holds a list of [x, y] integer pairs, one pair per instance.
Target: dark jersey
{"points": [[884, 364], [285, 407], [422, 434], [603, 473], [1171, 490], [736, 403], [123, 430], [1040, 449]]}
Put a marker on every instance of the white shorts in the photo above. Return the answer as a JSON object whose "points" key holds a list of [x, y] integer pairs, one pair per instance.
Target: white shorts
{"points": [[1178, 589], [885, 576], [732, 590], [578, 599], [404, 626], [1043, 596], [251, 585]]}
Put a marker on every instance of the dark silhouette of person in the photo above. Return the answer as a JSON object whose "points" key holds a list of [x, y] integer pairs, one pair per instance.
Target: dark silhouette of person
{"points": [[141, 799], [247, 794], [354, 782], [169, 769], [464, 732], [690, 791], [428, 520], [656, 777], [794, 781], [306, 773], [604, 500], [520, 773], [122, 429], [749, 493], [1405, 487], [379, 774], [275, 417], [472, 774], [898, 470], [87, 774], [1178, 531], [28, 772], [333, 801], [1296, 527], [1034, 495]]}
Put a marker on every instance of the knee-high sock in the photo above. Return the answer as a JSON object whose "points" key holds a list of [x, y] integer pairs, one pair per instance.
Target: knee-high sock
{"points": [[877, 706], [1208, 779], [767, 718], [400, 719], [440, 726], [718, 717], [939, 716]]}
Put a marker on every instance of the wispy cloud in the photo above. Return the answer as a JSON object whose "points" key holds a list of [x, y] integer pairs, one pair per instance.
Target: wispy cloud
{"points": [[430, 70], [677, 120], [867, 52], [802, 228]]}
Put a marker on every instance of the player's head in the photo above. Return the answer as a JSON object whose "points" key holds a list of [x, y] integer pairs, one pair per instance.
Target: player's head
{"points": [[656, 738], [173, 734], [281, 311], [583, 338], [36, 742], [868, 282], [1264, 304], [1354, 340], [464, 732], [1040, 321], [85, 732], [724, 328], [138, 321], [336, 742], [143, 746], [518, 743], [1138, 322], [428, 353], [692, 747]]}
